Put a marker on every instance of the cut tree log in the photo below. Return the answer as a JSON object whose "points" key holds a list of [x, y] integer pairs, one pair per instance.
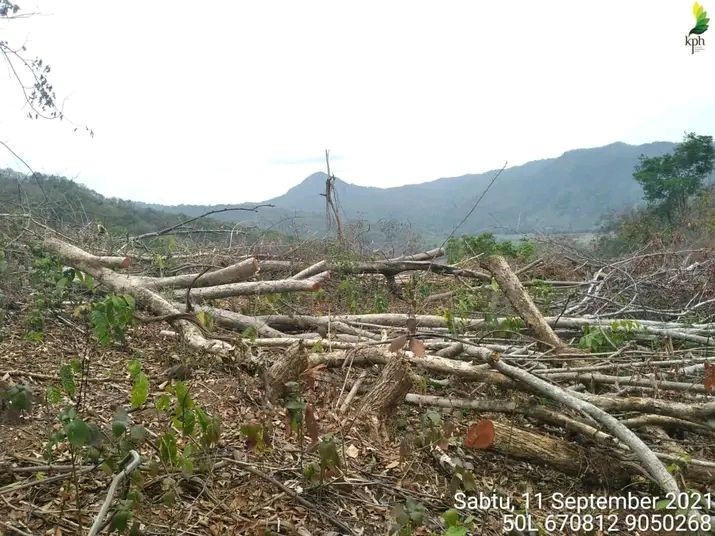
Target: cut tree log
{"points": [[522, 302], [123, 284], [388, 392], [310, 271], [257, 287], [231, 274], [424, 256], [648, 459], [287, 368], [392, 268], [589, 464]]}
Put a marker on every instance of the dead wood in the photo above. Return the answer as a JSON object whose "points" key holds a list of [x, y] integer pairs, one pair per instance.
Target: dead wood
{"points": [[123, 284], [521, 301], [590, 464], [645, 455], [231, 274], [258, 287], [423, 256], [239, 322], [287, 368], [388, 392]]}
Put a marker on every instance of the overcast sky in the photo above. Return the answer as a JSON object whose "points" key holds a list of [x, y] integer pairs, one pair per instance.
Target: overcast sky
{"points": [[225, 101]]}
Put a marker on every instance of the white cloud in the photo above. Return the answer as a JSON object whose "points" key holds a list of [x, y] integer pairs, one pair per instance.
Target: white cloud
{"points": [[236, 101]]}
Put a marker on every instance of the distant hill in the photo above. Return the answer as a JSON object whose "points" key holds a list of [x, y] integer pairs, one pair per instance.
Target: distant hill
{"points": [[571, 193], [60, 201]]}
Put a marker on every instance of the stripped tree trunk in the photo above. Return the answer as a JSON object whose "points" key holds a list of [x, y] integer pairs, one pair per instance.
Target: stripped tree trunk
{"points": [[125, 284], [521, 301]]}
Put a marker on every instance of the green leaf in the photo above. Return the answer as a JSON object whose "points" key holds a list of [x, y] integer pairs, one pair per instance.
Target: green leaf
{"points": [[185, 421], [120, 521], [78, 433], [130, 301], [451, 517], [140, 390], [76, 365], [18, 397], [328, 453], [54, 395], [183, 397], [120, 422], [253, 433], [54, 440], [67, 414], [662, 504], [187, 466], [134, 367], [163, 402], [167, 448], [35, 336], [138, 435], [206, 320]]}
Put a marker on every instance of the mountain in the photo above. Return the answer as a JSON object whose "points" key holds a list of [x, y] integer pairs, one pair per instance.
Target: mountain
{"points": [[571, 193], [59, 201]]}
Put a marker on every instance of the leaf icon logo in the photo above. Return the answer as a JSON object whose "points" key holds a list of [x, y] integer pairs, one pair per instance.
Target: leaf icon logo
{"points": [[701, 20]]}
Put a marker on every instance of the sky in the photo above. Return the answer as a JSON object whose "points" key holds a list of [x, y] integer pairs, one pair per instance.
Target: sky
{"points": [[229, 102]]}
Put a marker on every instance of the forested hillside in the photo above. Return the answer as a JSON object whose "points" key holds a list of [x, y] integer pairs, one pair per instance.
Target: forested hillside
{"points": [[63, 201], [570, 193]]}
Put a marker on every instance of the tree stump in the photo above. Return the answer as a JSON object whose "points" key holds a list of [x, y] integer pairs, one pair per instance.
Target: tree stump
{"points": [[286, 369], [388, 392]]}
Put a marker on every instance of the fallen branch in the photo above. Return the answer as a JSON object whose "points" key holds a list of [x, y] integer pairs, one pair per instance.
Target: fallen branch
{"points": [[522, 302], [291, 493], [231, 274], [258, 287], [123, 284], [134, 460], [649, 461], [169, 229]]}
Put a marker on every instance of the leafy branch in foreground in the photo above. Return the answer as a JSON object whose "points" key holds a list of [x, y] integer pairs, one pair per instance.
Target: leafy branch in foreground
{"points": [[111, 317]]}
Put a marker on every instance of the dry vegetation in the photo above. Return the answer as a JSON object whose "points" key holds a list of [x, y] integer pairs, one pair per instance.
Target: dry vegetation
{"points": [[316, 390]]}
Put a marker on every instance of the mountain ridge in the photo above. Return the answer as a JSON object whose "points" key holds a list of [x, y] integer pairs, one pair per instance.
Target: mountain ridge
{"points": [[569, 193]]}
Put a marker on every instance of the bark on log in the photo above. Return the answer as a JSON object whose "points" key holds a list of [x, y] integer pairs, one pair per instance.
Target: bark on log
{"points": [[123, 284], [648, 460], [257, 287], [589, 464], [115, 262], [430, 362], [231, 274], [700, 413], [310, 271], [452, 350], [392, 268], [388, 392], [700, 471], [424, 256], [286, 369], [521, 301], [674, 330], [638, 381], [237, 321]]}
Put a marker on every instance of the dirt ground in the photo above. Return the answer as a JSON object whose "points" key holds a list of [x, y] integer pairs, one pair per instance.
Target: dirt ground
{"points": [[379, 472]]}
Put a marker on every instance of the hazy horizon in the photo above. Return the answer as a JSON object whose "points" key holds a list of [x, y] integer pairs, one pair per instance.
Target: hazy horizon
{"points": [[237, 102], [302, 179]]}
